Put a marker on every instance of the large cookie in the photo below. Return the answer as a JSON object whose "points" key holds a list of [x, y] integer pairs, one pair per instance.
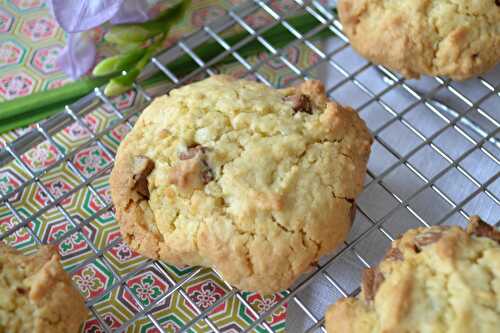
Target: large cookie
{"points": [[455, 38], [442, 279], [231, 174], [36, 294]]}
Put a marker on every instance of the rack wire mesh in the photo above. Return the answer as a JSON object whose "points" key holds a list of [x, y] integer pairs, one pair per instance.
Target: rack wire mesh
{"points": [[435, 160]]}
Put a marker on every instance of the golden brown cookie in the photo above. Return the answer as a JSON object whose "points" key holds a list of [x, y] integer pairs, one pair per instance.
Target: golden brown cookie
{"points": [[454, 38], [36, 294], [255, 182], [438, 279]]}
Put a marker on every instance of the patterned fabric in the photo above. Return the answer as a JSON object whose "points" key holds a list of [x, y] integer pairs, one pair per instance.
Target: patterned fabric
{"points": [[83, 222]]}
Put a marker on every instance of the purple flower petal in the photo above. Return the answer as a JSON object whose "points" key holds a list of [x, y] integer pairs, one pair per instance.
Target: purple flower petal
{"points": [[82, 15], [133, 11], [78, 57]]}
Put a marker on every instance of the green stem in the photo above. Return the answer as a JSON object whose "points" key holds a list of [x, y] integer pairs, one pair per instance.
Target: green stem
{"points": [[122, 83], [38, 100], [278, 36], [14, 122]]}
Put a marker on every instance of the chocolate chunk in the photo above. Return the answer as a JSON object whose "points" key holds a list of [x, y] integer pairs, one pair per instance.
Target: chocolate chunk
{"points": [[372, 279], [199, 151], [427, 238], [352, 211], [480, 228], [394, 254], [143, 166], [301, 103], [367, 283], [207, 176], [191, 152], [21, 291]]}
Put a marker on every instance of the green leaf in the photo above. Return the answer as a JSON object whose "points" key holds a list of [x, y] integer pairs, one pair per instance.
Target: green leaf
{"points": [[278, 36], [27, 104], [37, 114]]}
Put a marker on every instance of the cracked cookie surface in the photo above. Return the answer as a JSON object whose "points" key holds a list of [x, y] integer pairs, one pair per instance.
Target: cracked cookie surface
{"points": [[36, 294], [255, 182], [436, 280], [454, 38]]}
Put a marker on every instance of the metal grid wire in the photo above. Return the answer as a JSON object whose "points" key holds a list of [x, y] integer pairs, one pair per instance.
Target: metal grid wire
{"points": [[436, 112]]}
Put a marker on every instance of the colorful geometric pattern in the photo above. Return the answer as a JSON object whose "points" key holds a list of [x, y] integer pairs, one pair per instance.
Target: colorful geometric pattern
{"points": [[11, 52], [119, 283]]}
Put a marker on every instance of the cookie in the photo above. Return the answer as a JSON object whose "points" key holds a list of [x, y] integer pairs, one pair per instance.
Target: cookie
{"points": [[438, 279], [458, 39], [36, 294], [255, 182]]}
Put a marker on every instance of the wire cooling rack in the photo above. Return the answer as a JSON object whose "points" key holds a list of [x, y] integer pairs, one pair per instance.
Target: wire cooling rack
{"points": [[435, 160]]}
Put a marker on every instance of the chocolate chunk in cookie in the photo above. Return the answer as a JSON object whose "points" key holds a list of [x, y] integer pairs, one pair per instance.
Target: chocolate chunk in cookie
{"points": [[143, 166], [480, 228], [427, 238], [372, 279], [394, 254], [191, 152], [301, 103], [192, 170]]}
